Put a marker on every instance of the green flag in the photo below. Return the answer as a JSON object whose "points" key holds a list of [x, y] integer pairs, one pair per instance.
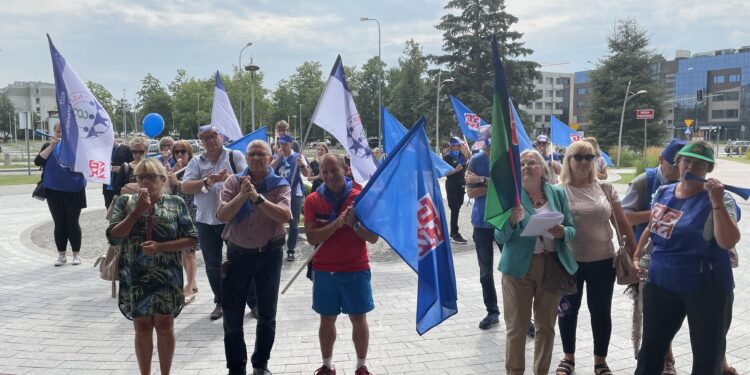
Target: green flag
{"points": [[504, 190]]}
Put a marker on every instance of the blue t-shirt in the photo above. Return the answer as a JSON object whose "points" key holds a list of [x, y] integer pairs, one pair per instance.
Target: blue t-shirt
{"points": [[479, 164]]}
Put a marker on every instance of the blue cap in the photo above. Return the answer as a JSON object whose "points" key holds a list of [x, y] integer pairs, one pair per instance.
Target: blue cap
{"points": [[455, 141], [671, 150], [284, 139], [207, 128]]}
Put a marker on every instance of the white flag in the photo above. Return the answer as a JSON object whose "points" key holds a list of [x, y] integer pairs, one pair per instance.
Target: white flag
{"points": [[337, 114], [222, 114], [88, 137]]}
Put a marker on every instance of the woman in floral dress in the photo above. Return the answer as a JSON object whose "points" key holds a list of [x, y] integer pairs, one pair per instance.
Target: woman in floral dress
{"points": [[151, 228]]}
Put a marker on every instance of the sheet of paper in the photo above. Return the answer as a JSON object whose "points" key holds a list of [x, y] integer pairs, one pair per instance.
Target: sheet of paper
{"points": [[539, 224]]}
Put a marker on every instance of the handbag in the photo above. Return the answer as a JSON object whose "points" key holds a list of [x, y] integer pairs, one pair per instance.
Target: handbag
{"points": [[556, 279], [623, 260], [40, 192], [109, 263]]}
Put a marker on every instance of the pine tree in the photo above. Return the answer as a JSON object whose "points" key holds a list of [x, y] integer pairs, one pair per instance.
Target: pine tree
{"points": [[468, 58], [630, 60]]}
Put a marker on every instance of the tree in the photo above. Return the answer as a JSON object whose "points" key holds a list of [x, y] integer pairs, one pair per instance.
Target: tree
{"points": [[7, 115], [192, 101], [367, 94], [154, 98], [301, 88], [629, 60], [468, 58], [407, 85]]}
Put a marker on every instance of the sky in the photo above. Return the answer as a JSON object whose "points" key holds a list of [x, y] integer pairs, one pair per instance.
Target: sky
{"points": [[116, 42]]}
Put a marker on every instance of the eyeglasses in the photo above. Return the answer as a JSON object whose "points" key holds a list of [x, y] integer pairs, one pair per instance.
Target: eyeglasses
{"points": [[179, 152], [137, 152], [146, 177], [529, 163], [541, 143], [209, 138], [257, 154], [690, 161], [579, 158]]}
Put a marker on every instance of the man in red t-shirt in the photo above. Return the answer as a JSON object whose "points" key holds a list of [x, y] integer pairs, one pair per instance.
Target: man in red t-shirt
{"points": [[341, 272]]}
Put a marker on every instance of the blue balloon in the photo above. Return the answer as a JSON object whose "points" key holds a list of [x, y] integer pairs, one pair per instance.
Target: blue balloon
{"points": [[153, 125]]}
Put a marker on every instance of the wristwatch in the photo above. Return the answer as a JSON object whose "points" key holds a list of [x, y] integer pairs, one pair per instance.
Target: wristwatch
{"points": [[260, 200], [205, 182], [356, 226], [482, 179]]}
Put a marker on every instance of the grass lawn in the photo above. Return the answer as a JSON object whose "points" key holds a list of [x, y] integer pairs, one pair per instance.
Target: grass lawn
{"points": [[625, 178], [18, 179], [741, 159]]}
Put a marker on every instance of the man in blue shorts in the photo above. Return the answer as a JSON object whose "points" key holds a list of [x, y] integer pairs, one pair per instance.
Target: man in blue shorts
{"points": [[341, 271]]}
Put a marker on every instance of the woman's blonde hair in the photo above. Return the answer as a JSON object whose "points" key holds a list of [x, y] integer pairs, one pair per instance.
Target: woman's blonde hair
{"points": [[539, 160], [594, 143], [580, 147], [138, 141]]}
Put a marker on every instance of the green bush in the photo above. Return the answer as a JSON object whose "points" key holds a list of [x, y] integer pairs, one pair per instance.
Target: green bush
{"points": [[628, 156], [652, 160]]}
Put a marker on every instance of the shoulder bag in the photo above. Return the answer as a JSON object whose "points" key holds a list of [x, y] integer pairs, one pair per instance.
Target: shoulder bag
{"points": [[556, 279], [623, 260]]}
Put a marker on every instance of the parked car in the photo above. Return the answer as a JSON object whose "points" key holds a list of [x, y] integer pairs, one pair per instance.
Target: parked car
{"points": [[740, 147], [197, 148]]}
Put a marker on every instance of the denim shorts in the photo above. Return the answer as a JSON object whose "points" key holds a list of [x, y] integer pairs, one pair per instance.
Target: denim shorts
{"points": [[342, 292]]}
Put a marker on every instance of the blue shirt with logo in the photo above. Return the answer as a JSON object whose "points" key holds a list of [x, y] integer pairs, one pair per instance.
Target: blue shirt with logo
{"points": [[479, 164]]}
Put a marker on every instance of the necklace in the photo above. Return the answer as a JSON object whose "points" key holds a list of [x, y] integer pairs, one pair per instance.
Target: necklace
{"points": [[538, 202]]}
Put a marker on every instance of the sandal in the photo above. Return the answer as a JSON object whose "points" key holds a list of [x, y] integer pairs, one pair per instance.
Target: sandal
{"points": [[602, 369], [566, 367], [730, 371], [668, 368], [189, 298]]}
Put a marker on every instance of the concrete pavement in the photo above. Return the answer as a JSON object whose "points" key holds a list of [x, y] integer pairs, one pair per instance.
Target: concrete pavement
{"points": [[62, 321]]}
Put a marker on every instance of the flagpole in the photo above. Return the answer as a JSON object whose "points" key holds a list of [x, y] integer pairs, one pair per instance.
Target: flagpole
{"points": [[303, 266]]}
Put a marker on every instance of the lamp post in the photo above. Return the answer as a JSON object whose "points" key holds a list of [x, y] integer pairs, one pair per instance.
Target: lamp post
{"points": [[380, 79], [300, 124], [240, 88], [437, 110], [628, 95], [252, 68]]}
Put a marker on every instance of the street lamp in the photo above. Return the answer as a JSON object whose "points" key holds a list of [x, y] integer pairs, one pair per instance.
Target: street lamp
{"points": [[628, 95], [437, 110], [252, 68], [240, 67], [380, 79]]}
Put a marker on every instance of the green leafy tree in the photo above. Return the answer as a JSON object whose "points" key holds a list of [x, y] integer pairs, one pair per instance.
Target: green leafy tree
{"points": [[366, 97], [301, 88], [7, 115], [154, 98], [192, 100], [629, 60], [468, 53], [407, 85]]}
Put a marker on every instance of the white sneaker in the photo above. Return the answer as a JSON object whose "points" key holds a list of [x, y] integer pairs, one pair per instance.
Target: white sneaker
{"points": [[76, 260], [61, 260]]}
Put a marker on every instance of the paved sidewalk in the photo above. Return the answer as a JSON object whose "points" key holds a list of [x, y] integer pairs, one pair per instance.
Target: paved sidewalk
{"points": [[62, 321]]}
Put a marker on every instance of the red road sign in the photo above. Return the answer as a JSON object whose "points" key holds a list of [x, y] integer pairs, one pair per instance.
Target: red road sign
{"points": [[644, 114]]}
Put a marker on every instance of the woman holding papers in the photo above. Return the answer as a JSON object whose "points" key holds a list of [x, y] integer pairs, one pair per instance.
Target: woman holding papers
{"points": [[523, 261], [593, 203]]}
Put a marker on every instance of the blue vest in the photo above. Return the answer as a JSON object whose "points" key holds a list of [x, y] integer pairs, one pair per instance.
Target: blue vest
{"points": [[59, 178], [652, 183], [682, 261], [286, 166]]}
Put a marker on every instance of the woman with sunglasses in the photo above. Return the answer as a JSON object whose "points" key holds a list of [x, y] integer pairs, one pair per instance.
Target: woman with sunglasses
{"points": [[693, 226], [126, 183], [152, 228], [523, 266], [593, 203], [181, 153]]}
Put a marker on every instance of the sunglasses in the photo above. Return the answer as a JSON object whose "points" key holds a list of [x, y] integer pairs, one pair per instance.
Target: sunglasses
{"points": [[136, 152], [146, 177], [580, 158], [257, 154], [179, 152]]}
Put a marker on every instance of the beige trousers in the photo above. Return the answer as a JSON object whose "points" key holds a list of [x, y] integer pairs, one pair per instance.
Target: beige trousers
{"points": [[519, 295]]}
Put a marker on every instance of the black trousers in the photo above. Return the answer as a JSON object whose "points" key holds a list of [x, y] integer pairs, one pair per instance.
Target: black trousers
{"points": [[455, 195], [65, 208], [709, 315], [599, 280], [484, 241]]}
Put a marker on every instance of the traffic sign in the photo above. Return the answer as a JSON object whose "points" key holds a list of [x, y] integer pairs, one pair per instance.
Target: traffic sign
{"points": [[644, 114], [688, 122]]}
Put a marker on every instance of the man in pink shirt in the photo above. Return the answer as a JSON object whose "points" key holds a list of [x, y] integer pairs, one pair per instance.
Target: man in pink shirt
{"points": [[255, 206]]}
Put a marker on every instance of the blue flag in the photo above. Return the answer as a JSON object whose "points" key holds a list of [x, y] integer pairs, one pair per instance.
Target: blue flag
{"points": [[86, 144], [606, 158], [561, 134], [524, 142], [241, 144], [468, 121], [394, 132], [402, 204]]}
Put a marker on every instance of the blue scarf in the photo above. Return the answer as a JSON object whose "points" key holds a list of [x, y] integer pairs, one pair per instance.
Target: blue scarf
{"points": [[270, 182], [459, 157], [336, 202]]}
